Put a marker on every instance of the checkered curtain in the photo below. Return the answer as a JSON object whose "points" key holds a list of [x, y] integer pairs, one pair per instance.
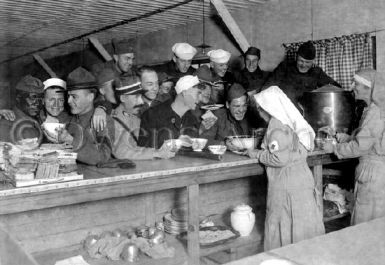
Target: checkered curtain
{"points": [[340, 57]]}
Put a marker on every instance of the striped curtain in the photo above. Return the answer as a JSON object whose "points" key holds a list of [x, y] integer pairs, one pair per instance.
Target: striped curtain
{"points": [[340, 57]]}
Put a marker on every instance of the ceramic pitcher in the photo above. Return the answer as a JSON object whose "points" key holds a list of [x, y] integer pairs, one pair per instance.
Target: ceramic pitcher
{"points": [[243, 219]]}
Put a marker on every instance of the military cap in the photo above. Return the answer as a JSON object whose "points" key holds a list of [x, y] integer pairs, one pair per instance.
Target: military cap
{"points": [[30, 84], [122, 47], [204, 74], [235, 91], [184, 50], [253, 51], [128, 87], [106, 75], [219, 56], [80, 78], [56, 82], [307, 51], [164, 77], [186, 82]]}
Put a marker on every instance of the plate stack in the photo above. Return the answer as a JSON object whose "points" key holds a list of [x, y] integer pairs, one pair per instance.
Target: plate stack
{"points": [[176, 221], [2, 165]]}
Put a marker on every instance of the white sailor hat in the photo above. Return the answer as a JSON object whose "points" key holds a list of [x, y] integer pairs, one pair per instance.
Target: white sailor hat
{"points": [[219, 56], [184, 51], [54, 82], [186, 82]]}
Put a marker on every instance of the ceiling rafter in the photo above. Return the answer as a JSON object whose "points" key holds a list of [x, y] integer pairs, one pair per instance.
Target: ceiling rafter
{"points": [[68, 22]]}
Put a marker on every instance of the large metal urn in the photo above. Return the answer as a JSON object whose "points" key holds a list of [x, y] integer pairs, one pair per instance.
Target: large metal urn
{"points": [[329, 107]]}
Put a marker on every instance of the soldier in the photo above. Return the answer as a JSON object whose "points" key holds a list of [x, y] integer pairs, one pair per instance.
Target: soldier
{"points": [[23, 120], [180, 65], [221, 78], [127, 125], [251, 77], [173, 118], [92, 146], [294, 78], [231, 121]]}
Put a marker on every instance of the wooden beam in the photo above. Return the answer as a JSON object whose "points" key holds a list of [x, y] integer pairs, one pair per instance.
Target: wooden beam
{"points": [[44, 65], [193, 224], [106, 56], [231, 24]]}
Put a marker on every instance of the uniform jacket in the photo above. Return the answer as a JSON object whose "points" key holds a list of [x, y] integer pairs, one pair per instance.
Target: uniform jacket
{"points": [[228, 79], [287, 77], [92, 147], [251, 81], [160, 123], [127, 128], [225, 126], [171, 70]]}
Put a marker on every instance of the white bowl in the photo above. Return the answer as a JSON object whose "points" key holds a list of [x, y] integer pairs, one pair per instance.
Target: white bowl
{"points": [[276, 262], [217, 149], [242, 142], [52, 128], [198, 143], [173, 144]]}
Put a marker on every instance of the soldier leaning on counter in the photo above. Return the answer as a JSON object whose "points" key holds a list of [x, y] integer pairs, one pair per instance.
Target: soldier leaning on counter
{"points": [[172, 118], [127, 125], [92, 146], [231, 120]]}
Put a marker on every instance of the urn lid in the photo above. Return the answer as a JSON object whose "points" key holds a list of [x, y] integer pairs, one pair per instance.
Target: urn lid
{"points": [[244, 208]]}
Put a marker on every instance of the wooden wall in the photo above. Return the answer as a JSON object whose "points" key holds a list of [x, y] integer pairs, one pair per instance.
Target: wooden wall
{"points": [[67, 226]]}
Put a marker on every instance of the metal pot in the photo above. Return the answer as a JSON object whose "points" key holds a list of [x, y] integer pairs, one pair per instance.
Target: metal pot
{"points": [[329, 108]]}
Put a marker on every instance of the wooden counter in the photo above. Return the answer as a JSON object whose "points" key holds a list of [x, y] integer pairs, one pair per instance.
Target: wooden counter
{"points": [[355, 245], [106, 187]]}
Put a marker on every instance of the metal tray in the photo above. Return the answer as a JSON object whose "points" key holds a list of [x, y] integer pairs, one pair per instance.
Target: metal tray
{"points": [[183, 236]]}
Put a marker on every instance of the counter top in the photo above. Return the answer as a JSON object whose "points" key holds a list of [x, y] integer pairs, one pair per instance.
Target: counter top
{"points": [[147, 176]]}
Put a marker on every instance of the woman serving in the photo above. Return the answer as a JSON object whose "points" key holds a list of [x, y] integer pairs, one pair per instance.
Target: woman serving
{"points": [[367, 143], [293, 213]]}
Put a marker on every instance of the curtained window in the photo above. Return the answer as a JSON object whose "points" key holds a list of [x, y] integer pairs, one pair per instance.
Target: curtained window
{"points": [[340, 57]]}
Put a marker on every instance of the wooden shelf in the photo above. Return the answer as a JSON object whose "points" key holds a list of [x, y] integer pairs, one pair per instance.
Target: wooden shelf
{"points": [[50, 257]]}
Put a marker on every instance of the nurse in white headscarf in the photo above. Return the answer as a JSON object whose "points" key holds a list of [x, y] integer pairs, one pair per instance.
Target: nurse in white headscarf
{"points": [[293, 212], [367, 143]]}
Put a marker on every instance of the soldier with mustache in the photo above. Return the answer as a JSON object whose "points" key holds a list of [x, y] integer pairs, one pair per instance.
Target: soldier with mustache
{"points": [[127, 124]]}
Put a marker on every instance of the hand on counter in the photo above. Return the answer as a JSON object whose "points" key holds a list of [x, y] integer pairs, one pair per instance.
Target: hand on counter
{"points": [[164, 152]]}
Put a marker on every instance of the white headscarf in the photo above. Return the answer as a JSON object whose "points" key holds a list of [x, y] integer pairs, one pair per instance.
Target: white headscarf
{"points": [[279, 106]]}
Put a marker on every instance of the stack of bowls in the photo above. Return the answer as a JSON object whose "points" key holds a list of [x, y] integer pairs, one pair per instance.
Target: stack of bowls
{"points": [[175, 222]]}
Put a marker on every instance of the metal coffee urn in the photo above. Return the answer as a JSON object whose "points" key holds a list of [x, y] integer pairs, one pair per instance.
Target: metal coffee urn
{"points": [[329, 106]]}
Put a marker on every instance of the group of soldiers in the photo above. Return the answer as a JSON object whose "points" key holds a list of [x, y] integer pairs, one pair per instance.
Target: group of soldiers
{"points": [[128, 113]]}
